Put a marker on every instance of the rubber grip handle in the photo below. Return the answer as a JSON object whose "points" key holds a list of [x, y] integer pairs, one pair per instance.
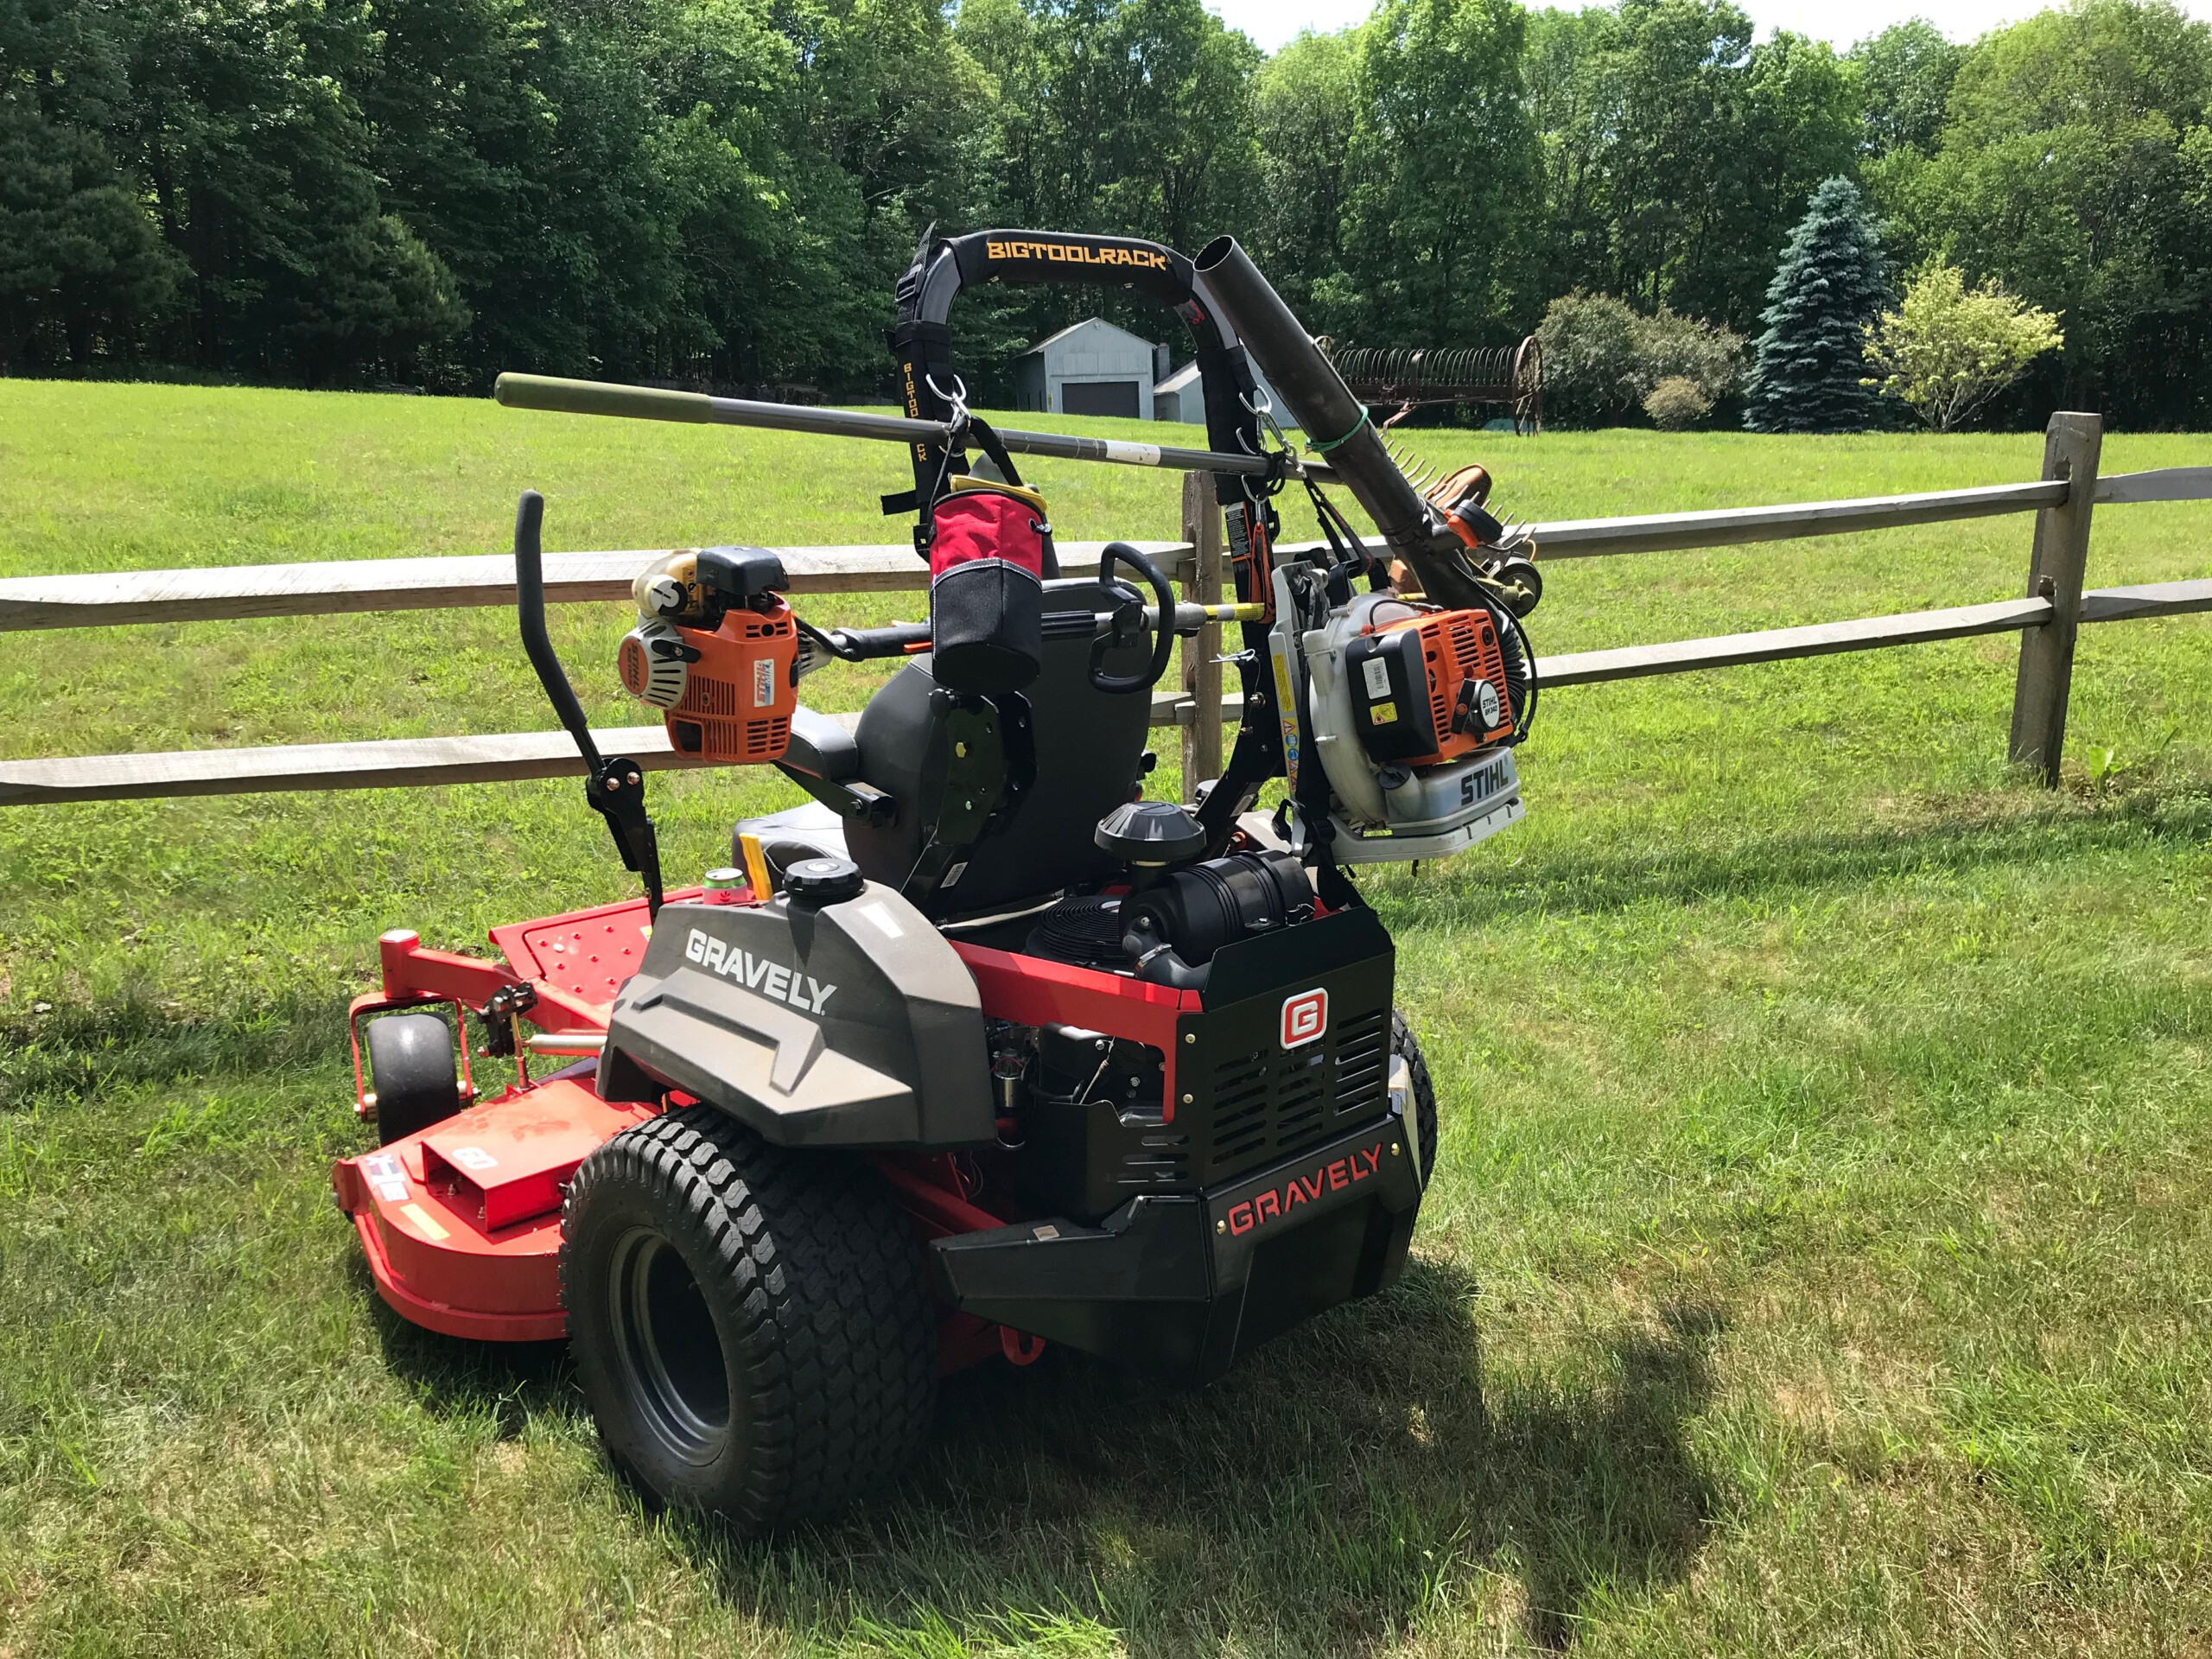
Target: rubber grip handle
{"points": [[530, 614]]}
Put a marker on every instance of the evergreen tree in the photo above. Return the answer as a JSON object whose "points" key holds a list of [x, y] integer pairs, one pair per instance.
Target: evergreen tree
{"points": [[1809, 372]]}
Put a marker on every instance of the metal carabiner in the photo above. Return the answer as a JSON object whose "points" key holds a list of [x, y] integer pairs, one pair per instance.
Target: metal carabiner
{"points": [[957, 397], [1283, 459]]}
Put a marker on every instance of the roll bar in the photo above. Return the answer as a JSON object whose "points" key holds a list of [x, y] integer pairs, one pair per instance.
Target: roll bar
{"points": [[922, 340]]}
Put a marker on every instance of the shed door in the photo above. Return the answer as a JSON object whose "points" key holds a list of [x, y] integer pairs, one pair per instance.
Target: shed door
{"points": [[1099, 397]]}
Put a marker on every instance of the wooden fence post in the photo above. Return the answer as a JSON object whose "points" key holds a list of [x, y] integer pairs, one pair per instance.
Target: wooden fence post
{"points": [[1201, 673], [2071, 448]]}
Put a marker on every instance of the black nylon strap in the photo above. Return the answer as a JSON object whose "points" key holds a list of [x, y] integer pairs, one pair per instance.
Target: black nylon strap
{"points": [[1344, 545], [991, 445], [924, 354]]}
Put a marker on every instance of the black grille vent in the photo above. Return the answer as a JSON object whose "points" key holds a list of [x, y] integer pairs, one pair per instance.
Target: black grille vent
{"points": [[1274, 1103], [1159, 1160]]}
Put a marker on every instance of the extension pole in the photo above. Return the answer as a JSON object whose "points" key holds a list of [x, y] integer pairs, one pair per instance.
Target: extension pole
{"points": [[650, 403]]}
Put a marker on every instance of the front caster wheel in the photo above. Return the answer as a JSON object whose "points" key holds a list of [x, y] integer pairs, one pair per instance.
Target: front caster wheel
{"points": [[750, 1325], [411, 1068]]}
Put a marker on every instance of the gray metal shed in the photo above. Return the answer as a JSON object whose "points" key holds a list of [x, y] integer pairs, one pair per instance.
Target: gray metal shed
{"points": [[1089, 368], [1180, 398]]}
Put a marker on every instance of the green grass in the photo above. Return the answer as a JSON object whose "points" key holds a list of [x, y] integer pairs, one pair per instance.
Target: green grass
{"points": [[1820, 1258]]}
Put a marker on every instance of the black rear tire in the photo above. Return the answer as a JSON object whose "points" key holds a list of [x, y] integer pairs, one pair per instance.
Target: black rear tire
{"points": [[750, 1324], [1402, 1041], [411, 1068]]}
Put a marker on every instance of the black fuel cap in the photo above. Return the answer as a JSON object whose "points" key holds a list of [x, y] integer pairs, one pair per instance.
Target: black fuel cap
{"points": [[1150, 832], [823, 880]]}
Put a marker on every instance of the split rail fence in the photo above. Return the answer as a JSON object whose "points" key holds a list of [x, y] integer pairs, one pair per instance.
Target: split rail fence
{"points": [[2046, 618]]}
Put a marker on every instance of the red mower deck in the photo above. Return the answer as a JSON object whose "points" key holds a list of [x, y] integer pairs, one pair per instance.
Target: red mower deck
{"points": [[463, 1222]]}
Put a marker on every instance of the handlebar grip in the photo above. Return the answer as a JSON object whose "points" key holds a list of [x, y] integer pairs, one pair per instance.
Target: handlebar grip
{"points": [[862, 645], [529, 613], [1163, 636]]}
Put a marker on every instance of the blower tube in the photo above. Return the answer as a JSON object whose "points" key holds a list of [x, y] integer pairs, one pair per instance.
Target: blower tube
{"points": [[1325, 408]]}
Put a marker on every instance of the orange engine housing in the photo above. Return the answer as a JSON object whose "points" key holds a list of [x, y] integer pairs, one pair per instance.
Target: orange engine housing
{"points": [[1430, 687], [737, 698]]}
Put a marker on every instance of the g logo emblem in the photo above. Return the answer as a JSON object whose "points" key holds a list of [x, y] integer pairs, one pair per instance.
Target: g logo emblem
{"points": [[1305, 1017]]}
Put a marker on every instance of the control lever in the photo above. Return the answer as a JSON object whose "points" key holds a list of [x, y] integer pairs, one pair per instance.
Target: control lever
{"points": [[615, 786], [1129, 620]]}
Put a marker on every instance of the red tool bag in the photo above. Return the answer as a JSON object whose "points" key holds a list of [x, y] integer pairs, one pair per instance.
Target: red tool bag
{"points": [[990, 551]]}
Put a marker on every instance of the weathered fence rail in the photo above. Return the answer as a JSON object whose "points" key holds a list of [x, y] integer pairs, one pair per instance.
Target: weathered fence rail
{"points": [[2045, 617], [232, 592], [218, 593]]}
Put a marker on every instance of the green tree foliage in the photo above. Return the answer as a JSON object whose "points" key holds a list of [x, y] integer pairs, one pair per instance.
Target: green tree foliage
{"points": [[1904, 80], [722, 191], [1304, 107], [2071, 166], [80, 265], [1443, 159], [82, 269], [1127, 117], [248, 131], [1676, 152], [1808, 370], [1949, 349]]}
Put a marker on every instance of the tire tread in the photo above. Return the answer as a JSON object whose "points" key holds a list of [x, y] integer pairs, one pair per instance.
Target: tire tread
{"points": [[836, 1332]]}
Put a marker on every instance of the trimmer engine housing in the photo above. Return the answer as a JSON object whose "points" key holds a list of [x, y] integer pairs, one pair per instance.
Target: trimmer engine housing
{"points": [[716, 650]]}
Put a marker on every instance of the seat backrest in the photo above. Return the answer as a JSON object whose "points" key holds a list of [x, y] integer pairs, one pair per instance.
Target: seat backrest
{"points": [[1090, 760]]}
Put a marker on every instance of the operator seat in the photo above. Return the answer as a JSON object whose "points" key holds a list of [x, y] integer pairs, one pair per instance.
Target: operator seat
{"points": [[1090, 749]]}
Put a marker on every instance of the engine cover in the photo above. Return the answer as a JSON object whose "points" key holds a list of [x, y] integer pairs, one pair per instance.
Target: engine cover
{"points": [[1429, 687], [846, 1024], [727, 693], [1409, 706]]}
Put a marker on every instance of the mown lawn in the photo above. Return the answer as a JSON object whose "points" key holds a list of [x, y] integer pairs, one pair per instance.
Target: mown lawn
{"points": [[1820, 1261]]}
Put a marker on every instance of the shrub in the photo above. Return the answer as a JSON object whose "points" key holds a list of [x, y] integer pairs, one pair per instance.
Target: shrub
{"points": [[1673, 347], [1677, 404], [1950, 349], [1602, 359], [1590, 359]]}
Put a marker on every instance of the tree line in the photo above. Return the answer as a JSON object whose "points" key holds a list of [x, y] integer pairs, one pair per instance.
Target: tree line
{"points": [[722, 192]]}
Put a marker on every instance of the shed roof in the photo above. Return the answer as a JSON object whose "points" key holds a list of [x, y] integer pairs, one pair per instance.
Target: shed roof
{"points": [[1089, 322]]}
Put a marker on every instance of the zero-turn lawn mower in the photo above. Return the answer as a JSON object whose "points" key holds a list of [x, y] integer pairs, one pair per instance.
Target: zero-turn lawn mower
{"points": [[979, 1050]]}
